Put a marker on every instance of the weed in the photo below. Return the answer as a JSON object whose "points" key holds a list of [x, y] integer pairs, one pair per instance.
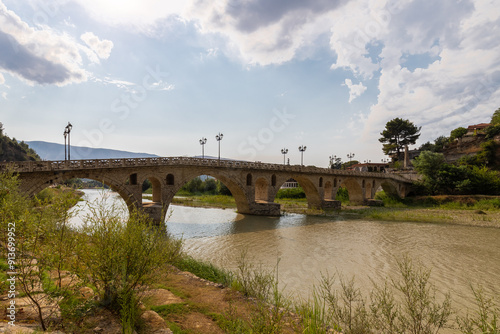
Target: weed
{"points": [[486, 319]]}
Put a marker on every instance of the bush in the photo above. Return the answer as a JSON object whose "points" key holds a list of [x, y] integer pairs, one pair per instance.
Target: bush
{"points": [[293, 193], [120, 257], [342, 195]]}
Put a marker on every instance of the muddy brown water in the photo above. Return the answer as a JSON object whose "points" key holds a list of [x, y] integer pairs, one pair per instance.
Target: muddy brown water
{"points": [[307, 246]]}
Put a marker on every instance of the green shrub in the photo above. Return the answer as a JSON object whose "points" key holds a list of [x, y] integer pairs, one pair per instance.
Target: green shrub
{"points": [[120, 257], [291, 193], [342, 195]]}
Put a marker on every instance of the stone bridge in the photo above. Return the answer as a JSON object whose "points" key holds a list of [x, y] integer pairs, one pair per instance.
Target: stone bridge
{"points": [[254, 185]]}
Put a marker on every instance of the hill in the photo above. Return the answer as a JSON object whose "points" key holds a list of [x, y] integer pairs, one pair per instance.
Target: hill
{"points": [[12, 150], [54, 151]]}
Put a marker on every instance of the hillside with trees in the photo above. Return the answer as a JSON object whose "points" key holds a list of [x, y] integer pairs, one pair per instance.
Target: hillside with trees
{"points": [[12, 150], [465, 163]]}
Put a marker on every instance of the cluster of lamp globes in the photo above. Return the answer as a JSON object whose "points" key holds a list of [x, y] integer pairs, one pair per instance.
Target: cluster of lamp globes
{"points": [[203, 141]]}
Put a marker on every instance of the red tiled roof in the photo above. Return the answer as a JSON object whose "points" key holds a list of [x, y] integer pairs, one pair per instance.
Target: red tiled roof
{"points": [[478, 126]]}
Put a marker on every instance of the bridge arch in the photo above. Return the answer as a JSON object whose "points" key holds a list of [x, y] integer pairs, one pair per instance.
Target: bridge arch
{"points": [[116, 184], [236, 189], [156, 184], [355, 189], [391, 188], [314, 199]]}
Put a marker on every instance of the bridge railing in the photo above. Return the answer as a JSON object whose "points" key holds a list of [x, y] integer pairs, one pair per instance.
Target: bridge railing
{"points": [[47, 166]]}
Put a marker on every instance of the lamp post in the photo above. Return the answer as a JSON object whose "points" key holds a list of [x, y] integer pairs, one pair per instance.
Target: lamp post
{"points": [[333, 160], [65, 136], [350, 156], [219, 138], [203, 141], [67, 131], [284, 151], [302, 149]]}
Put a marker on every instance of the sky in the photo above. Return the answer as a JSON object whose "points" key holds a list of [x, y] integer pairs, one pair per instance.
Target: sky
{"points": [[156, 76]]}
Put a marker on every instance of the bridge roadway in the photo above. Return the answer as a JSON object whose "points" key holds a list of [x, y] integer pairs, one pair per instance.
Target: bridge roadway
{"points": [[254, 185]]}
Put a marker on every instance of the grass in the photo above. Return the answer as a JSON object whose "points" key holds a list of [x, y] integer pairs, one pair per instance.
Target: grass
{"points": [[213, 201], [204, 270], [165, 310]]}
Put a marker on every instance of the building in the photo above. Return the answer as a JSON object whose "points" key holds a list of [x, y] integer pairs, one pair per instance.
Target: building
{"points": [[290, 183], [476, 129]]}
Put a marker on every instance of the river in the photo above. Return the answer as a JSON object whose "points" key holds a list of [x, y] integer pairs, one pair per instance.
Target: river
{"points": [[306, 246]]}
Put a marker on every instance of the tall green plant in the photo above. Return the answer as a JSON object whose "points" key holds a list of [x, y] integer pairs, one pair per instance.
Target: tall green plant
{"points": [[486, 318], [44, 245], [120, 256]]}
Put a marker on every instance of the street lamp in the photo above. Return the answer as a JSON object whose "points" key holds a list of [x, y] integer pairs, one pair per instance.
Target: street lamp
{"points": [[203, 141], [284, 151], [65, 136], [302, 149], [219, 138], [333, 161], [67, 131], [350, 156]]}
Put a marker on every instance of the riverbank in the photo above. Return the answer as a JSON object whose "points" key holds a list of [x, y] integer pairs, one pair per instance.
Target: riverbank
{"points": [[180, 302], [479, 211]]}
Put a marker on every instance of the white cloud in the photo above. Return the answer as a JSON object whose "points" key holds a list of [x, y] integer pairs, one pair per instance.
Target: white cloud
{"points": [[2, 79], [102, 48], [264, 32], [132, 14], [4, 95], [460, 88], [39, 55], [354, 90]]}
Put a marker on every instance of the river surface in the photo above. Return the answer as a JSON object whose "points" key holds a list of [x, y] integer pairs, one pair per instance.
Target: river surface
{"points": [[307, 246]]}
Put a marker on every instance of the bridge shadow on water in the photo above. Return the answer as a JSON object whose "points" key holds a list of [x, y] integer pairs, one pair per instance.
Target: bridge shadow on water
{"points": [[189, 223]]}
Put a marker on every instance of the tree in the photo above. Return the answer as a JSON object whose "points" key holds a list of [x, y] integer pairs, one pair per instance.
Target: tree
{"points": [[457, 133], [440, 142], [495, 119], [335, 163], [398, 133]]}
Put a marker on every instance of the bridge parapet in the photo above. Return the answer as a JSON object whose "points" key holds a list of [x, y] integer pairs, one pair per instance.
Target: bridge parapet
{"points": [[47, 166]]}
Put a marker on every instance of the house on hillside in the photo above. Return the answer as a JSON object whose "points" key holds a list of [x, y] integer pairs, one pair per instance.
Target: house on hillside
{"points": [[477, 129]]}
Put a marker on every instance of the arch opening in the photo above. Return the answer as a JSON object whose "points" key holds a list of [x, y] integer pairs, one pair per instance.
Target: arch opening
{"points": [[354, 190], [273, 180], [151, 185], [249, 179], [170, 179], [297, 188], [230, 192], [96, 190]]}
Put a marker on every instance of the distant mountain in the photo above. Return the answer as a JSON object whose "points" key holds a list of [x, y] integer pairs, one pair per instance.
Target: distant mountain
{"points": [[54, 151]]}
